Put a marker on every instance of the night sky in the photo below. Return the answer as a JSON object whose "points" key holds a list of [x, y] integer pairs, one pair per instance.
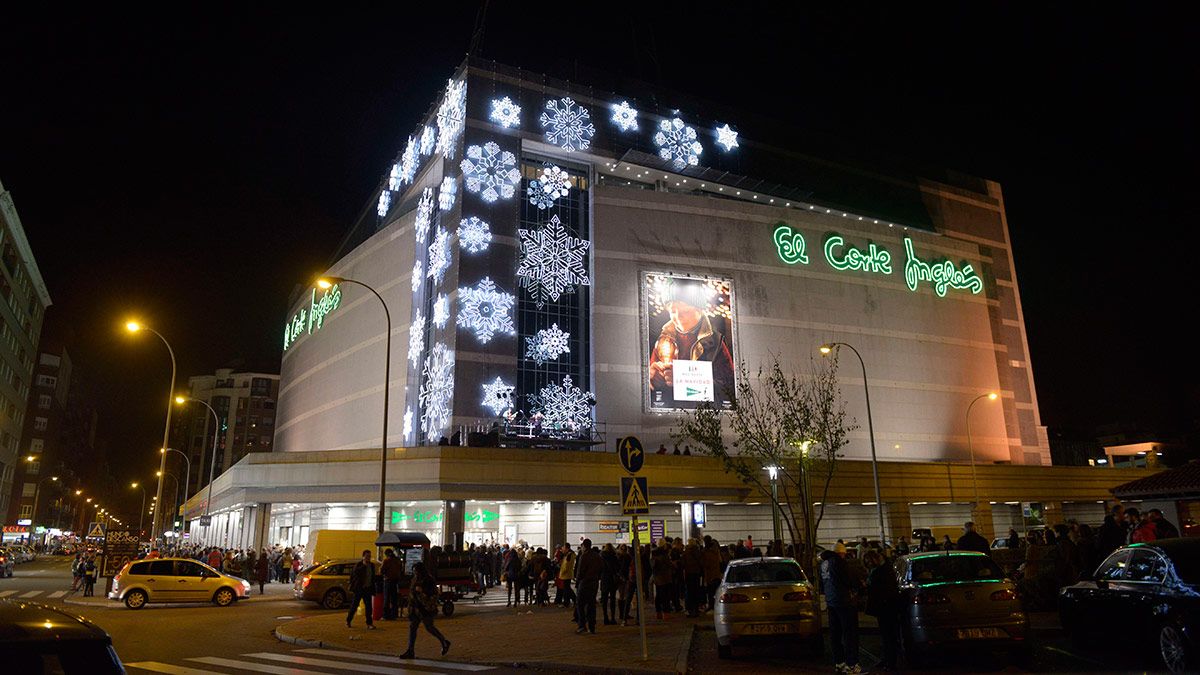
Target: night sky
{"points": [[192, 169]]}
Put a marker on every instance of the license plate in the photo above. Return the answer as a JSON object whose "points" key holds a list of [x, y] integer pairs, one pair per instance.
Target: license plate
{"points": [[770, 628], [979, 633]]}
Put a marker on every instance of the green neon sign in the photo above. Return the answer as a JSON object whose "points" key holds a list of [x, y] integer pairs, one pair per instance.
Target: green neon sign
{"points": [[871, 259], [481, 516], [942, 274], [790, 245], [312, 318]]}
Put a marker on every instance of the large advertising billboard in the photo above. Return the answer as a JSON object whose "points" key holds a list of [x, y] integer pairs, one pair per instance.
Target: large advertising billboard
{"points": [[689, 340]]}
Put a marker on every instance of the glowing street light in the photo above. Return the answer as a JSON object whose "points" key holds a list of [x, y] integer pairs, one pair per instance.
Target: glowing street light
{"points": [[140, 523], [136, 327], [991, 396], [212, 462]]}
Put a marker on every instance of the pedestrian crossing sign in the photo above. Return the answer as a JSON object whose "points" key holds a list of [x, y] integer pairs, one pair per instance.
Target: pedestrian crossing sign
{"points": [[635, 496], [96, 530]]}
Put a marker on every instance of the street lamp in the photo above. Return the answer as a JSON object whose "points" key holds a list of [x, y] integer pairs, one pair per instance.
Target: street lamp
{"points": [[170, 516], [187, 476], [826, 349], [991, 396], [773, 472], [330, 282], [37, 493], [143, 509], [134, 327], [212, 461]]}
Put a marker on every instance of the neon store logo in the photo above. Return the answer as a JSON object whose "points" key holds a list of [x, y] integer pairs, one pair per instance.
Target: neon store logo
{"points": [[481, 516], [942, 275], [312, 318]]}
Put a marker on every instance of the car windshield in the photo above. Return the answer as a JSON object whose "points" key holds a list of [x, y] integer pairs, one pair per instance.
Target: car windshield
{"points": [[953, 567], [781, 571]]}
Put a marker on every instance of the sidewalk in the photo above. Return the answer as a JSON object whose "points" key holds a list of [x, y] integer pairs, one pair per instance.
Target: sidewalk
{"points": [[274, 592], [539, 636]]}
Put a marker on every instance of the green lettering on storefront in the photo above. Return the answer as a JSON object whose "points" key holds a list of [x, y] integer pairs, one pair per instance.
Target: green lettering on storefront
{"points": [[313, 317], [870, 259], [790, 245], [942, 275], [426, 517]]}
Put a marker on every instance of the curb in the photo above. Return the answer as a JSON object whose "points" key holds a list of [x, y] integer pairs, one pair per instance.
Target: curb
{"points": [[681, 659]]}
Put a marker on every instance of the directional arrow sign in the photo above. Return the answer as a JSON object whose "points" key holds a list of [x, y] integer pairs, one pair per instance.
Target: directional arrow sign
{"points": [[631, 453]]}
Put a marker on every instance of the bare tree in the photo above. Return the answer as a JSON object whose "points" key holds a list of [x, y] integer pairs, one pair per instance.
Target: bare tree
{"points": [[797, 425]]}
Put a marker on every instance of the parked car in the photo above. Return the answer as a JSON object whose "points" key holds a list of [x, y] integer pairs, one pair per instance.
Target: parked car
{"points": [[1153, 588], [6, 563], [36, 638], [175, 580], [25, 552], [958, 597], [327, 583], [765, 599]]}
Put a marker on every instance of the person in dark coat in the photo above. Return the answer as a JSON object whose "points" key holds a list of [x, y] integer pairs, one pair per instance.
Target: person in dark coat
{"points": [[422, 608], [589, 568], [883, 603], [843, 612], [972, 540], [362, 584], [608, 584], [391, 570], [262, 570]]}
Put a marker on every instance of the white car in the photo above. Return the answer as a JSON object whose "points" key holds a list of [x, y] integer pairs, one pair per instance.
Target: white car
{"points": [[175, 580], [766, 599]]}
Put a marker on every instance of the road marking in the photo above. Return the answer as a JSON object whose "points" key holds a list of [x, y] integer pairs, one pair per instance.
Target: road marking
{"points": [[391, 659], [5, 594], [338, 665], [30, 594], [250, 665], [57, 594], [157, 667]]}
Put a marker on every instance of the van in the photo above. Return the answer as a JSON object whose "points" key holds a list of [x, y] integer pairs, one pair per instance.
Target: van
{"points": [[326, 544]]}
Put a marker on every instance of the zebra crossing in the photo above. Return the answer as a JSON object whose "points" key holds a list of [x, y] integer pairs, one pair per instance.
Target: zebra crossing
{"points": [[306, 662], [29, 595]]}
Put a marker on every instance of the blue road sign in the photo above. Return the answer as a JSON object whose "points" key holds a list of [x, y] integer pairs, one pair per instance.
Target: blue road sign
{"points": [[631, 453]]}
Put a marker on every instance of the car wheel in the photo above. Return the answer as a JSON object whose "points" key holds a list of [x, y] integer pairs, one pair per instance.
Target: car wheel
{"points": [[447, 609], [135, 599], [224, 597], [724, 651], [1174, 648], [334, 599]]}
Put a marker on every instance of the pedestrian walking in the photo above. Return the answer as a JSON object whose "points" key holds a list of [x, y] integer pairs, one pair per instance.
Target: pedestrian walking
{"points": [[422, 608], [972, 540], [843, 611], [262, 569], [608, 584], [883, 603], [89, 577], [392, 569], [77, 572], [362, 584], [589, 568]]}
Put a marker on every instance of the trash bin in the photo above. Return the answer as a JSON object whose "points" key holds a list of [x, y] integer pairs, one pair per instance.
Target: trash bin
{"points": [[377, 601]]}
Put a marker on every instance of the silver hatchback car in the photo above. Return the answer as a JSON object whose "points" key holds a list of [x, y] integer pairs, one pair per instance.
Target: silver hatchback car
{"points": [[959, 598], [764, 599]]}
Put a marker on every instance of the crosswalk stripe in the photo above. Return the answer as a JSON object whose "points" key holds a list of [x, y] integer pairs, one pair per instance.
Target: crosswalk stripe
{"points": [[5, 594], [392, 659], [256, 667], [30, 594], [157, 667], [339, 665], [58, 594]]}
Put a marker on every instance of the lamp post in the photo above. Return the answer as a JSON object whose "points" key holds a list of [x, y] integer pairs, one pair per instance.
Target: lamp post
{"points": [[187, 476], [37, 493], [330, 282], [212, 461], [169, 518], [134, 327], [826, 349], [142, 512], [773, 471], [991, 396]]}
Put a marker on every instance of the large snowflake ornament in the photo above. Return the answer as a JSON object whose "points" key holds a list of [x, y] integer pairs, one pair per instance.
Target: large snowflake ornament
{"points": [[439, 256], [726, 138], [567, 124], [428, 140], [552, 261], [441, 310], [485, 310], [451, 115], [416, 339], [625, 116], [551, 185], [490, 171], [677, 143], [385, 203], [437, 389], [565, 405], [506, 113], [394, 181], [547, 345], [446, 193], [409, 161], [497, 395], [474, 234], [418, 276], [408, 419], [424, 215]]}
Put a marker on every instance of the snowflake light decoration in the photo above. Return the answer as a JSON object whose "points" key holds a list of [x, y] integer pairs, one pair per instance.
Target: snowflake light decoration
{"points": [[428, 140], [547, 345], [385, 202], [416, 339], [474, 234], [565, 405], [439, 256], [625, 116], [727, 138], [506, 113], [409, 161], [446, 193], [451, 115], [677, 143], [408, 417], [437, 389], [551, 261], [490, 172], [418, 276], [497, 395], [424, 216], [394, 178], [552, 184], [486, 310], [441, 311], [567, 125]]}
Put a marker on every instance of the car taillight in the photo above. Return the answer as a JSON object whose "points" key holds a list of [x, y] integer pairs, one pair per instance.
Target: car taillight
{"points": [[797, 596], [1006, 594], [930, 599], [304, 581], [734, 597]]}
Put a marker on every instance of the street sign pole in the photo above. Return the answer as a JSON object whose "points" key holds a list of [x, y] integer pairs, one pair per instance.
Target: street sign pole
{"points": [[641, 596], [631, 455]]}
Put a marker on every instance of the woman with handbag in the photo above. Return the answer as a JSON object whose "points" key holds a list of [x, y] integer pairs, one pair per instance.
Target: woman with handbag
{"points": [[422, 608]]}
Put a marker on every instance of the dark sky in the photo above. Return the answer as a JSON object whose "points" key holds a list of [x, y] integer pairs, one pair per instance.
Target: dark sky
{"points": [[193, 168]]}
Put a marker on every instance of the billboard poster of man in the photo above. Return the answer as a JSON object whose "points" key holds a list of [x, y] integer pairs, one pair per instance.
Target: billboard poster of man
{"points": [[690, 341]]}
